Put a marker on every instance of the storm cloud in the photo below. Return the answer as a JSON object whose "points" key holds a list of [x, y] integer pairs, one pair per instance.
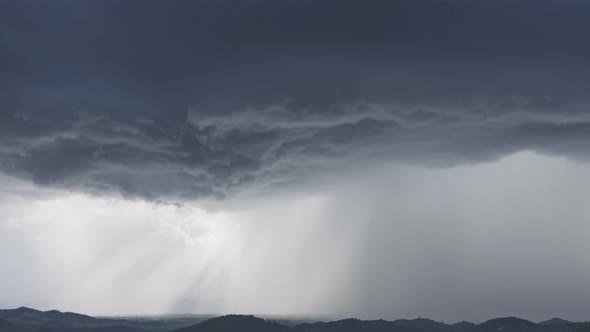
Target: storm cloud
{"points": [[217, 155], [349, 158], [212, 98]]}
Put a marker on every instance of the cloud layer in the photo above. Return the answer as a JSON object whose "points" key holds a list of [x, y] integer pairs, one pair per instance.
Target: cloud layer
{"points": [[211, 155], [383, 143], [214, 98]]}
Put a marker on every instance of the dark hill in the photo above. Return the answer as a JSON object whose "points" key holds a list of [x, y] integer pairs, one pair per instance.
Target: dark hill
{"points": [[555, 321], [463, 326], [356, 325], [236, 323], [31, 320], [508, 324], [347, 325], [24, 315], [6, 326], [422, 324], [115, 328]]}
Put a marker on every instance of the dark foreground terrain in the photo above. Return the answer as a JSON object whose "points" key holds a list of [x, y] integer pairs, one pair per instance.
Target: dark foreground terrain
{"points": [[30, 320]]}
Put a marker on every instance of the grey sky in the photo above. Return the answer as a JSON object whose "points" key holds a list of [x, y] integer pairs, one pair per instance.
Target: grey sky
{"points": [[373, 116], [212, 97]]}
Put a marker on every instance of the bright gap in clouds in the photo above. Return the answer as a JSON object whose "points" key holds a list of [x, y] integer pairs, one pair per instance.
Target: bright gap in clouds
{"points": [[507, 237]]}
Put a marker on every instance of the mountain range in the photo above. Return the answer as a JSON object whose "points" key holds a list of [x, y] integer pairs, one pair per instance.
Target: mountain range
{"points": [[30, 320]]}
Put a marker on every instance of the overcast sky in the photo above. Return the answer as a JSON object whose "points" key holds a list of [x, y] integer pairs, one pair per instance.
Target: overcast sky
{"points": [[344, 158]]}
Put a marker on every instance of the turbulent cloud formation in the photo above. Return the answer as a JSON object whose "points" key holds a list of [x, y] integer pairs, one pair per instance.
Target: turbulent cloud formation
{"points": [[210, 99], [218, 155]]}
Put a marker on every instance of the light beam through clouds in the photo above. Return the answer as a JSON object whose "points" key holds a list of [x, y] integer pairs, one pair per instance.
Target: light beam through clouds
{"points": [[491, 239]]}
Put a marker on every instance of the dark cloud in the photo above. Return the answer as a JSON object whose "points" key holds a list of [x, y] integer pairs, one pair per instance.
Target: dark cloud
{"points": [[209, 98], [209, 155]]}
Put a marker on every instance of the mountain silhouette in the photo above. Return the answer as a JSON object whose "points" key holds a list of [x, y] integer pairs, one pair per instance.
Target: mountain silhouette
{"points": [[28, 316], [555, 321], [235, 323], [504, 324], [354, 325], [349, 325], [462, 326], [507, 324], [422, 324], [6, 326], [30, 320]]}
